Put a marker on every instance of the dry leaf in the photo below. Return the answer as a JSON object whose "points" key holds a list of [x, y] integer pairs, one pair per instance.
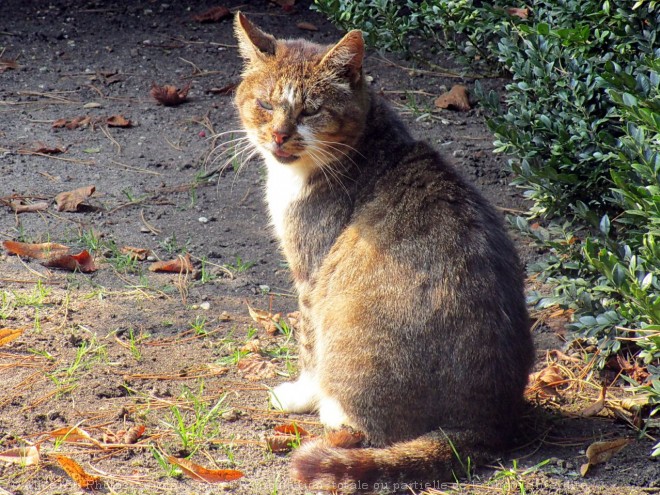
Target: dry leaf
{"points": [[168, 95], [85, 481], [600, 452], [20, 207], [83, 262], [597, 406], [48, 150], [287, 5], [455, 99], [182, 264], [253, 345], [265, 318], [41, 251], [199, 473], [72, 435], [25, 456], [139, 254], [118, 121], [546, 380], [291, 429], [125, 437], [307, 26], [522, 13], [71, 200], [213, 15], [9, 334], [281, 443], [294, 318], [257, 368], [8, 63], [76, 122]]}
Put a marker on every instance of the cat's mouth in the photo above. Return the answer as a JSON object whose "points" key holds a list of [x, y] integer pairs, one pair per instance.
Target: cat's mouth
{"points": [[284, 156]]}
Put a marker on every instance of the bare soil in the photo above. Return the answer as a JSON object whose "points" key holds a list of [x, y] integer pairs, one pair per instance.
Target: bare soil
{"points": [[124, 346]]}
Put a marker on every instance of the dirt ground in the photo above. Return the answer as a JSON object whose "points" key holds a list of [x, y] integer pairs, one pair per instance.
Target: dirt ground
{"points": [[123, 346]]}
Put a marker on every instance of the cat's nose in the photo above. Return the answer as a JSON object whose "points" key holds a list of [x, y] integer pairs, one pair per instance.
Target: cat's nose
{"points": [[279, 137]]}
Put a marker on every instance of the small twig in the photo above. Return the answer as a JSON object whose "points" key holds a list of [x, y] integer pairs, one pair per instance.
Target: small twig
{"points": [[106, 131], [135, 169], [151, 228]]}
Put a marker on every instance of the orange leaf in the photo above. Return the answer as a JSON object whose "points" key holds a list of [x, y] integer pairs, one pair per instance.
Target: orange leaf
{"points": [[130, 436], [168, 95], [182, 264], [118, 121], [72, 435], [85, 481], [139, 254], [265, 318], [281, 443], [71, 200], [213, 15], [9, 334], [82, 261], [42, 251], [455, 99], [600, 452], [199, 473], [291, 429], [25, 456], [48, 150]]}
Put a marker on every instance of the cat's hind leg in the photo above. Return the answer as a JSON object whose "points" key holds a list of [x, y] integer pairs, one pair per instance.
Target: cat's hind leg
{"points": [[301, 396]]}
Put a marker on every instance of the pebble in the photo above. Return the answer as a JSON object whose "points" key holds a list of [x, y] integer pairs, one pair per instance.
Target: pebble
{"points": [[203, 220], [205, 306]]}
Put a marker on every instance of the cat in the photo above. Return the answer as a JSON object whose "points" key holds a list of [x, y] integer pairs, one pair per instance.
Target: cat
{"points": [[414, 337]]}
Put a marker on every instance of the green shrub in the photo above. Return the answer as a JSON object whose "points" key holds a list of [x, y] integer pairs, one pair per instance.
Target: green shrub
{"points": [[581, 117]]}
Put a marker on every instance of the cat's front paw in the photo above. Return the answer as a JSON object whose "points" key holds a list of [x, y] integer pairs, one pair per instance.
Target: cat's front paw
{"points": [[300, 396]]}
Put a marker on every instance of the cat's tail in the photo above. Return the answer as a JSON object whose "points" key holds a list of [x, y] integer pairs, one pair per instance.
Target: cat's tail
{"points": [[335, 462]]}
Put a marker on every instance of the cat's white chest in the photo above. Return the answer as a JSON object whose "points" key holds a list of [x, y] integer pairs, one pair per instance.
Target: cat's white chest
{"points": [[285, 185]]}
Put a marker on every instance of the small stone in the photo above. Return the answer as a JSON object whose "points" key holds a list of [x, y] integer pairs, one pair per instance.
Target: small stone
{"points": [[205, 306], [203, 220]]}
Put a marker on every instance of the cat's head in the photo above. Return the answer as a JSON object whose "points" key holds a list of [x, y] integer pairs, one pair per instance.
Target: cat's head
{"points": [[303, 104]]}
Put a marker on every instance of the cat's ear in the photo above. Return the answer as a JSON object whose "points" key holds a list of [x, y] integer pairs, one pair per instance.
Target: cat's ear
{"points": [[346, 56], [253, 43]]}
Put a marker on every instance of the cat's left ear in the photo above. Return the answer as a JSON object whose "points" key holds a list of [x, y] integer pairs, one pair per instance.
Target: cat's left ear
{"points": [[347, 56], [253, 43]]}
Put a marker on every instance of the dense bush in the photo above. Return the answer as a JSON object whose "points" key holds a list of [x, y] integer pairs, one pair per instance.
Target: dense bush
{"points": [[582, 119]]}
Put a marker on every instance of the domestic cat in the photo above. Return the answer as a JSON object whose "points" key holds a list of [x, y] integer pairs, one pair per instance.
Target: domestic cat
{"points": [[414, 329]]}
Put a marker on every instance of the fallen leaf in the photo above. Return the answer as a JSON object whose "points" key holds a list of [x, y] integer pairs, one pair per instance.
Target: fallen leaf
{"points": [[125, 437], [71, 200], [72, 435], [455, 99], [48, 150], [600, 452], [257, 368], [307, 26], [281, 443], [638, 373], [214, 14], [92, 104], [168, 95], [83, 479], [25, 456], [294, 318], [597, 406], [20, 207], [41, 251], [200, 473], [182, 264], [81, 121], [546, 380], [9, 334], [265, 318], [287, 5], [253, 345], [118, 121], [139, 254], [225, 90], [83, 262], [522, 13], [8, 63], [291, 429]]}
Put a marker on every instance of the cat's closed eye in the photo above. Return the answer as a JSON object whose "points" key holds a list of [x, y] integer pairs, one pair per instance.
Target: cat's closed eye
{"points": [[265, 105]]}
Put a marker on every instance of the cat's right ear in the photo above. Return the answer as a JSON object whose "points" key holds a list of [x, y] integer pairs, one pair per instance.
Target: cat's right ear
{"points": [[253, 43]]}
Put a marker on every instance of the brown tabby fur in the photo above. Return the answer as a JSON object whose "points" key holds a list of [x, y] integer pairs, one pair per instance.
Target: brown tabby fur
{"points": [[414, 328]]}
